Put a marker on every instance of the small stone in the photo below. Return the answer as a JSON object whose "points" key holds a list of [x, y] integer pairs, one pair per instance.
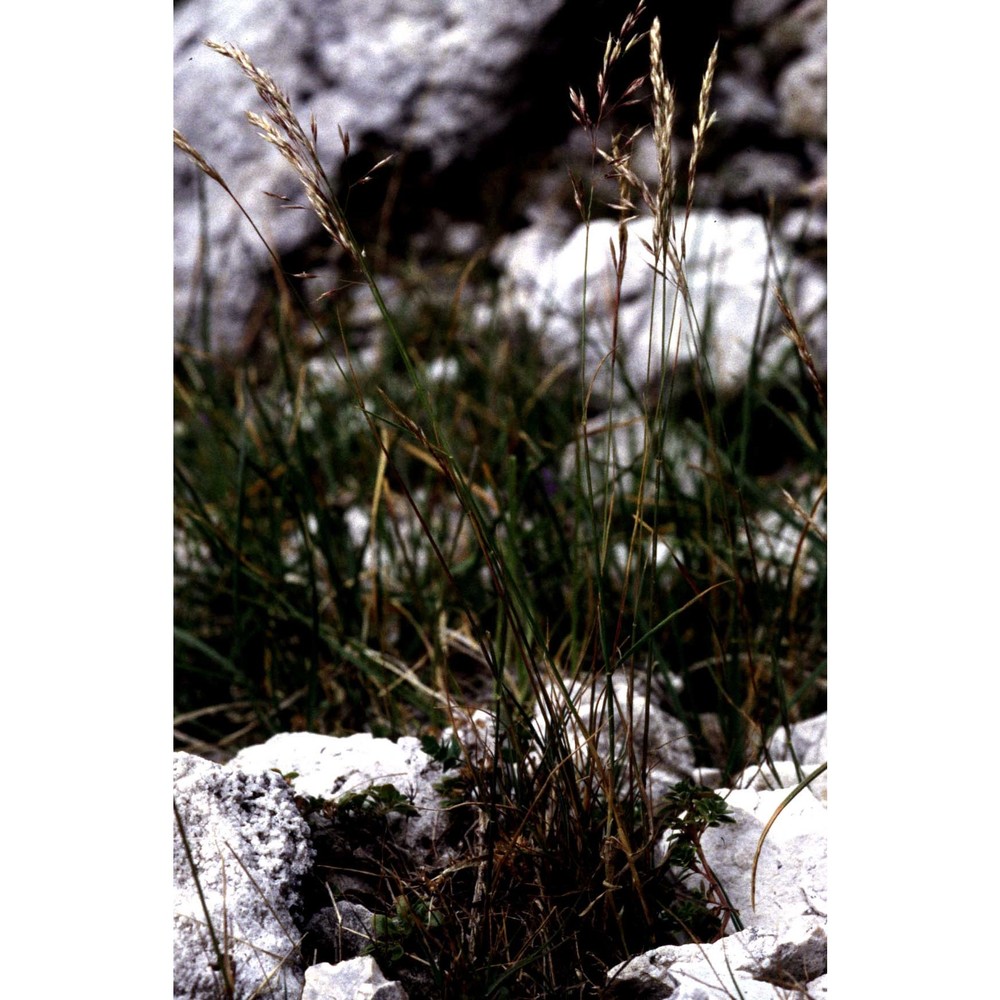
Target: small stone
{"points": [[356, 979]]}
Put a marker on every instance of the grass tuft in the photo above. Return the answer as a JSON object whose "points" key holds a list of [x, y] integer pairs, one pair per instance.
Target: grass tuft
{"points": [[386, 541]]}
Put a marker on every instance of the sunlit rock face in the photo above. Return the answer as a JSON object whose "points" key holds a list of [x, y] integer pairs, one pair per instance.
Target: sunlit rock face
{"points": [[252, 848], [249, 848], [427, 77], [471, 100]]}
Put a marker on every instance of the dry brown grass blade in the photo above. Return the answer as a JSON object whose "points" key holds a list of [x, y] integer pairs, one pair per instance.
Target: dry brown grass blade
{"points": [[803, 784]]}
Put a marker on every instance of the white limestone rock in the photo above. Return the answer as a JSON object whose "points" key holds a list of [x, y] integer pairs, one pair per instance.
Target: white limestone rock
{"points": [[476, 732], [804, 225], [819, 988], [754, 964], [755, 172], [781, 774], [355, 979], [792, 868], [668, 750], [615, 449], [785, 538], [731, 268], [782, 949], [249, 846], [808, 741], [742, 98], [420, 74], [330, 767]]}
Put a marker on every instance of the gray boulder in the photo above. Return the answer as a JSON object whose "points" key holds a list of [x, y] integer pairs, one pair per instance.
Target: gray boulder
{"points": [[801, 87], [774, 84], [756, 12], [249, 847], [339, 932], [418, 74]]}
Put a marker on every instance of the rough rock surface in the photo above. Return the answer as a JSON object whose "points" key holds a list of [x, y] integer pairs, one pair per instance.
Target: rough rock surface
{"points": [[808, 742], [355, 979], [246, 806], [755, 964], [783, 947], [250, 847], [770, 96], [433, 77], [791, 870], [439, 82], [732, 264], [338, 932], [330, 767]]}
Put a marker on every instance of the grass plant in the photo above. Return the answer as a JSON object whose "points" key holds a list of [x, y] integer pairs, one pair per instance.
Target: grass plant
{"points": [[383, 545]]}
